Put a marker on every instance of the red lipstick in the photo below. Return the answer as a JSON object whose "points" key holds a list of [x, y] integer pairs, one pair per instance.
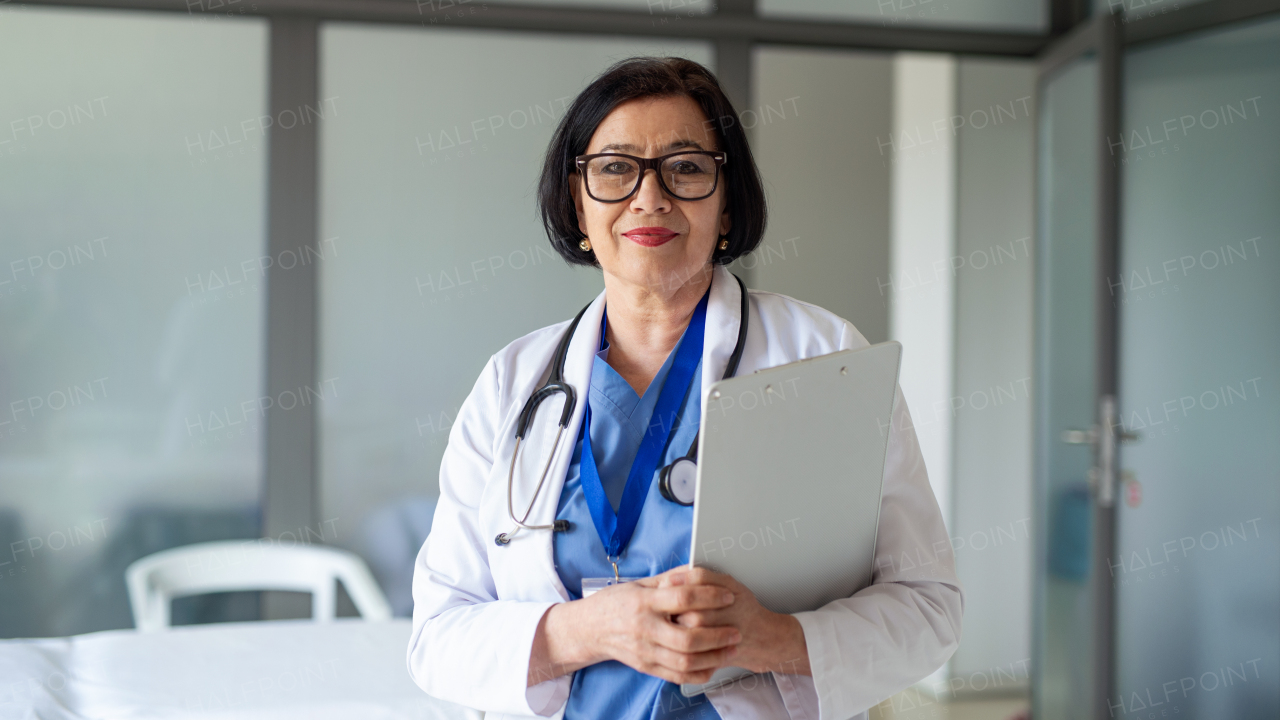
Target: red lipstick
{"points": [[650, 236]]}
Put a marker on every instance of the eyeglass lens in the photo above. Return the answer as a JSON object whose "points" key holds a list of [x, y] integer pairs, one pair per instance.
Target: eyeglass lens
{"points": [[688, 177]]}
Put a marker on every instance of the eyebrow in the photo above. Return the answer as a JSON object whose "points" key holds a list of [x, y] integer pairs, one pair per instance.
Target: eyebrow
{"points": [[633, 148]]}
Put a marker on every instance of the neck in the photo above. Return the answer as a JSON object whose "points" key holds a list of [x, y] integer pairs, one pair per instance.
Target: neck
{"points": [[646, 322]]}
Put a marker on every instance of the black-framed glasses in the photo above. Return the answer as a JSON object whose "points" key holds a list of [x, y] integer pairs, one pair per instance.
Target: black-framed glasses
{"points": [[614, 177]]}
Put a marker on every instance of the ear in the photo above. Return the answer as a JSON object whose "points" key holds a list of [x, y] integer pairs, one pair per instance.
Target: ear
{"points": [[726, 221], [575, 189]]}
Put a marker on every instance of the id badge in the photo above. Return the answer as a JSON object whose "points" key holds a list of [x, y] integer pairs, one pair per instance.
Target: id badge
{"points": [[590, 586]]}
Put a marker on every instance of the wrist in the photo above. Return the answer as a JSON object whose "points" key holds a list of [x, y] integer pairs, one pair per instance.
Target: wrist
{"points": [[571, 638], [556, 648], [790, 654]]}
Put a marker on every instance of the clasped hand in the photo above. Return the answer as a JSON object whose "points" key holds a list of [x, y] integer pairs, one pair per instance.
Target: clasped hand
{"points": [[681, 626]]}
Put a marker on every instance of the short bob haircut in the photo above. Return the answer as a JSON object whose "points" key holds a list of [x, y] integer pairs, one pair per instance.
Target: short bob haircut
{"points": [[641, 77]]}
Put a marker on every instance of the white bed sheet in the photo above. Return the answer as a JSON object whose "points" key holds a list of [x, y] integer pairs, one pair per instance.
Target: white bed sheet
{"points": [[281, 670]]}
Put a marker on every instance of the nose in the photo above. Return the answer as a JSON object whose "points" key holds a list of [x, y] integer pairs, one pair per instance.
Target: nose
{"points": [[649, 197]]}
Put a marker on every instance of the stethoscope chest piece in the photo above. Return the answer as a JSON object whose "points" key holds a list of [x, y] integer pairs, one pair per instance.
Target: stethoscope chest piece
{"points": [[678, 481]]}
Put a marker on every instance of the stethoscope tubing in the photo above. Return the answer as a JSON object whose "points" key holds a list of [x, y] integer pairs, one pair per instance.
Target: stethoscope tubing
{"points": [[555, 383]]}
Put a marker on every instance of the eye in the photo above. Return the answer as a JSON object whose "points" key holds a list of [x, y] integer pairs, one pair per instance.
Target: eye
{"points": [[614, 168]]}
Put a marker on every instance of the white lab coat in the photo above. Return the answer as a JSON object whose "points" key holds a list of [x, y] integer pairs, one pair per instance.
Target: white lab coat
{"points": [[477, 605]]}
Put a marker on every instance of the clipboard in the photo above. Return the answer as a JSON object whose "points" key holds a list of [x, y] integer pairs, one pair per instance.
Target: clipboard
{"points": [[790, 469]]}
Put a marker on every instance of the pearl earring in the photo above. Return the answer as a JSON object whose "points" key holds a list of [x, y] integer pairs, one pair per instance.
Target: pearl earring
{"points": [[585, 245], [724, 243]]}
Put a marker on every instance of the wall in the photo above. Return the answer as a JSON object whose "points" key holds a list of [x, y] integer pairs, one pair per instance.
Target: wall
{"points": [[826, 180], [992, 464]]}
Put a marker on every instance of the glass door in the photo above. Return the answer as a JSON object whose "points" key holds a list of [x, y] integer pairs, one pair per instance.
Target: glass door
{"points": [[1065, 388], [1158, 354], [1194, 570]]}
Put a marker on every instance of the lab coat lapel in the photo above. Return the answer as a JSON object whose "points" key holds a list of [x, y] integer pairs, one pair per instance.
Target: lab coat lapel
{"points": [[577, 373], [721, 334]]}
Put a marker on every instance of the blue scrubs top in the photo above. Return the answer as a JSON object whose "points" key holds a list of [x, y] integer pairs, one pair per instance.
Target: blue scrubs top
{"points": [[619, 419]]}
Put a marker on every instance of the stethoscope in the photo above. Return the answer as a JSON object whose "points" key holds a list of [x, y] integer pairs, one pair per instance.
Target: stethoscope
{"points": [[677, 482]]}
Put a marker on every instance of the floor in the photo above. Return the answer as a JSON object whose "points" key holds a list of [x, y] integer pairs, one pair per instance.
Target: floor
{"points": [[911, 705]]}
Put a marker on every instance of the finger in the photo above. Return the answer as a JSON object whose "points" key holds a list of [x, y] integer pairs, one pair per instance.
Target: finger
{"points": [[707, 576], [678, 638], [695, 678], [691, 667], [705, 618], [676, 600], [685, 575], [674, 576]]}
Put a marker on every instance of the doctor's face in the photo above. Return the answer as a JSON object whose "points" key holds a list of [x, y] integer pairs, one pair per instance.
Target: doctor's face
{"points": [[652, 238]]}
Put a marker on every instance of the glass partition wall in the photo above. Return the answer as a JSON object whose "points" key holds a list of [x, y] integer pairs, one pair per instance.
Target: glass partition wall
{"points": [[149, 162], [1010, 15], [428, 193], [1156, 453], [132, 169], [1198, 532]]}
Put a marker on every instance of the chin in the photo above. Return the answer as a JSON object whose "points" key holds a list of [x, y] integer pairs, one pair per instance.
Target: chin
{"points": [[666, 276]]}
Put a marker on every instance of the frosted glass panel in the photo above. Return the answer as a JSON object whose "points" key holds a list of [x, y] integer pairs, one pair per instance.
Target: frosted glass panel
{"points": [[132, 201], [428, 192], [656, 7], [1135, 11], [1195, 569], [1064, 389], [1013, 15]]}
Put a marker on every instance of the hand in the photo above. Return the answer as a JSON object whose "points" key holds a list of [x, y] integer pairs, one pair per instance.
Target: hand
{"points": [[770, 641], [632, 623]]}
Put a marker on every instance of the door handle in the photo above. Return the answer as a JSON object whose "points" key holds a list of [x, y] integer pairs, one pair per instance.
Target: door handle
{"points": [[1080, 437], [1090, 436], [1103, 438]]}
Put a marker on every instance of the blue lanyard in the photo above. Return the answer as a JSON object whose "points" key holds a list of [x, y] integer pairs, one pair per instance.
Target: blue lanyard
{"points": [[616, 529]]}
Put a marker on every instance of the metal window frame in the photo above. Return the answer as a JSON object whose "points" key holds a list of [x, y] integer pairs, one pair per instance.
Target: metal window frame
{"points": [[290, 493], [290, 498]]}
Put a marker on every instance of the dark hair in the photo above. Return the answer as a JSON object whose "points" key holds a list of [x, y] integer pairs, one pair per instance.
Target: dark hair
{"points": [[640, 77]]}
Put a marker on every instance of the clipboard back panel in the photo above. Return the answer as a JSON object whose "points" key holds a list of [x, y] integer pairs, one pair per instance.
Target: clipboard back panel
{"points": [[790, 468]]}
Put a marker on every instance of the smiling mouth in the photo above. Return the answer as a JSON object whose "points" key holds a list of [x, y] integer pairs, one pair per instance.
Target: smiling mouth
{"points": [[650, 236]]}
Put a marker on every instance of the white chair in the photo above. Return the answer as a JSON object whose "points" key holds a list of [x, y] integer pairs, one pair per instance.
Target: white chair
{"points": [[235, 565]]}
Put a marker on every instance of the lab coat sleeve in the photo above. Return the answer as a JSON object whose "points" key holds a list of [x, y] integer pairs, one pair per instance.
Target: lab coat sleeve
{"points": [[906, 624], [468, 646]]}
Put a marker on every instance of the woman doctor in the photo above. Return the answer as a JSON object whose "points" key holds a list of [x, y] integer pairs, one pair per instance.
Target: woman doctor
{"points": [[649, 177]]}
